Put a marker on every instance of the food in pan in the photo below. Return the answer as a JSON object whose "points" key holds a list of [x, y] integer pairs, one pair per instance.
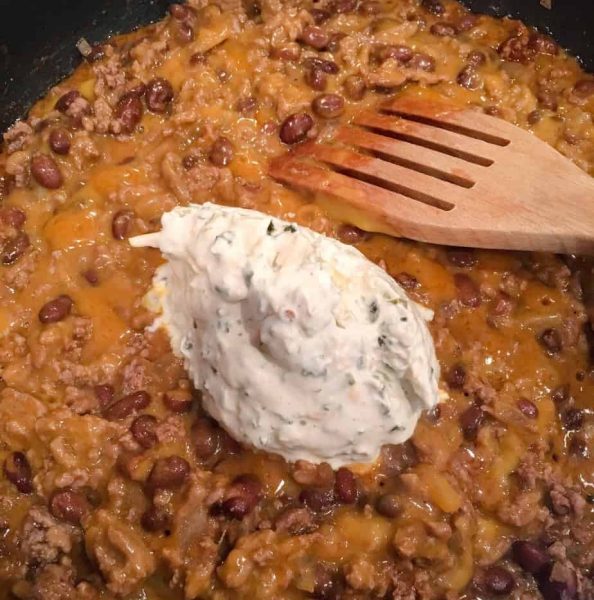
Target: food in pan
{"points": [[116, 483]]}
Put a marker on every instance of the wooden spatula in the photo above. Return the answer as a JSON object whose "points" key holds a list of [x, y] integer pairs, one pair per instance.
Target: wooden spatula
{"points": [[434, 173]]}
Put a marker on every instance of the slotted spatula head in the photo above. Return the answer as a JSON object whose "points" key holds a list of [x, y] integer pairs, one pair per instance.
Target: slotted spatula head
{"points": [[439, 174]]}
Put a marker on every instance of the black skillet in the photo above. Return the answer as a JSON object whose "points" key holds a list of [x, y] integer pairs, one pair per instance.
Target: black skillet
{"points": [[38, 37]]}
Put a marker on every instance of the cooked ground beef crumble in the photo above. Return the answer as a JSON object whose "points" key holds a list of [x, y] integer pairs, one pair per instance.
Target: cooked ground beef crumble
{"points": [[115, 484]]}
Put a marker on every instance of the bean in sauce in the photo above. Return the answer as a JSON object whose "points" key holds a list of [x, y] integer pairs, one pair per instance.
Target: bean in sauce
{"points": [[59, 141], [328, 106], [69, 505], [46, 172], [18, 471], [127, 405], [168, 473], [158, 95], [295, 128], [56, 310], [143, 430]]}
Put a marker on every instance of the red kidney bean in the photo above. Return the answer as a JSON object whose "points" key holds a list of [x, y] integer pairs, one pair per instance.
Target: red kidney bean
{"points": [[354, 87], [184, 32], [158, 95], [407, 281], [398, 52], [468, 292], [69, 506], [559, 590], [443, 29], [527, 408], [476, 58], [178, 401], [577, 446], [289, 52], [181, 12], [584, 88], [64, 101], [470, 422], [129, 111], [12, 216], [369, 8], [327, 66], [542, 44], [295, 521], [120, 223], [242, 497], [97, 53], [295, 127], [319, 15], [466, 23], [397, 458], [328, 106], [14, 248], [499, 581], [547, 99], [246, 105], [45, 171], [435, 7], [316, 37], [532, 557], [456, 377], [316, 79], [550, 340], [468, 78], [59, 141], [349, 234], [18, 471], [326, 584], [206, 438], [168, 473], [56, 310], [422, 61], [573, 419], [345, 486], [127, 405], [317, 499], [155, 519], [104, 394], [91, 276], [143, 430], [502, 305], [221, 153], [389, 505]]}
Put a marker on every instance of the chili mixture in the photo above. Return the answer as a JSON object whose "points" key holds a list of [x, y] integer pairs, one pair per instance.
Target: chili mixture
{"points": [[114, 482]]}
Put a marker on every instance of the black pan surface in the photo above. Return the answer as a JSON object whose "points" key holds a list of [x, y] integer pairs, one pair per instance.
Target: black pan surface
{"points": [[38, 37]]}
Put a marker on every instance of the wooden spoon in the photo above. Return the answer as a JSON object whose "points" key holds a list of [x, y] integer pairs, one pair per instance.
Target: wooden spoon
{"points": [[439, 174]]}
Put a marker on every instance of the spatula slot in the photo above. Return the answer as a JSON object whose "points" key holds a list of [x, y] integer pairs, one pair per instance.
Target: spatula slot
{"points": [[460, 129]]}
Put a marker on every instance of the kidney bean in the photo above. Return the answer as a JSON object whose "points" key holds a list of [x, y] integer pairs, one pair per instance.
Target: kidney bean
{"points": [[295, 127], [12, 216], [407, 281], [314, 36], [389, 505], [168, 473], [120, 223], [69, 506], [129, 111], [456, 377], [317, 499], [246, 105], [104, 394], [422, 61], [558, 590], [573, 419], [242, 497], [221, 152], [561, 395], [97, 53], [91, 276], [349, 234], [328, 106], [155, 519], [184, 32], [127, 405], [470, 422], [550, 340], [369, 8], [319, 15], [316, 79], [290, 52], [345, 486], [206, 438], [443, 29], [59, 141], [584, 88], [476, 58], [56, 310], [295, 521], [527, 408], [466, 23], [468, 292], [354, 87], [326, 584], [502, 305], [468, 78], [577, 446], [64, 101], [181, 12], [327, 66], [397, 458], [143, 430], [435, 7], [499, 581], [178, 401], [398, 52], [547, 99], [18, 471], [158, 95], [530, 556], [45, 171], [14, 248], [543, 44]]}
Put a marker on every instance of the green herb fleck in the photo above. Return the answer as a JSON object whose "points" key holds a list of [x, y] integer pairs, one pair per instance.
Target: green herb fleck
{"points": [[290, 228], [270, 228]]}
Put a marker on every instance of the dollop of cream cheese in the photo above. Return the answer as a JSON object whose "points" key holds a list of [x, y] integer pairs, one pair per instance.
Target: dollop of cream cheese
{"points": [[301, 345]]}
